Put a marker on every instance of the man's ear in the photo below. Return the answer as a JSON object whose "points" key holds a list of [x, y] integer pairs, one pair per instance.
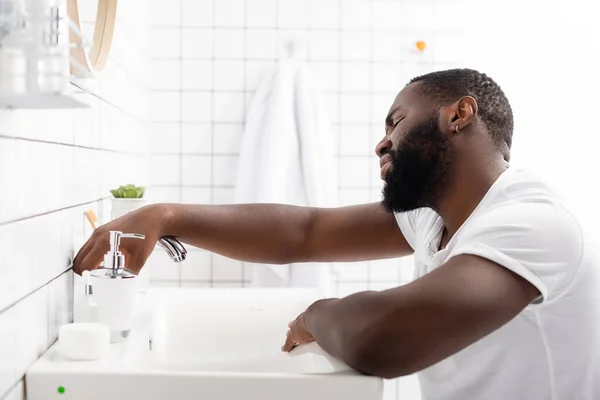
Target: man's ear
{"points": [[462, 114]]}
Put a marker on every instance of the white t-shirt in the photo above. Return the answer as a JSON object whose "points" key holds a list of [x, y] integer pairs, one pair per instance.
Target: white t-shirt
{"points": [[551, 350]]}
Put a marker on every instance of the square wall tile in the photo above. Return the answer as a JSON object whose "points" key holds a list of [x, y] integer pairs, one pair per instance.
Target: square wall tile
{"points": [[229, 43], [354, 140], [354, 172], [387, 46], [385, 270], [355, 271], [161, 267], [165, 170], [228, 138], [164, 138], [388, 77], [325, 75], [380, 106], [293, 14], [229, 12], [195, 106], [196, 138], [157, 194], [225, 170], [324, 45], [226, 269], [196, 170], [165, 14], [164, 106], [229, 107], [356, 45], [256, 73], [197, 13], [356, 14], [261, 43], [389, 14], [196, 43], [261, 13], [196, 75], [9, 331], [332, 105], [197, 266], [165, 74], [223, 195], [350, 196], [324, 14], [60, 304], [193, 195], [164, 43], [229, 75], [356, 77], [355, 108]]}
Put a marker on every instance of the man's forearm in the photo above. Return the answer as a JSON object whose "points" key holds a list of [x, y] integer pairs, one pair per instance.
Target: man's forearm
{"points": [[262, 233]]}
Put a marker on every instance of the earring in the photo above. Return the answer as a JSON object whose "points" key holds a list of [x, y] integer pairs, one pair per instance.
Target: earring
{"points": [[456, 129]]}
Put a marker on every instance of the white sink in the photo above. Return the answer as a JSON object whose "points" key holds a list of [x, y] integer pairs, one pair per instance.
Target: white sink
{"points": [[206, 344]]}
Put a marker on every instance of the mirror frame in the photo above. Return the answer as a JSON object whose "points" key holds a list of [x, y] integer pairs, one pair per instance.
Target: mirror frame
{"points": [[104, 28]]}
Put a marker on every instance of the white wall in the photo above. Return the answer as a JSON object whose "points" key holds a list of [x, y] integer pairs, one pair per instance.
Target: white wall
{"points": [[54, 165]]}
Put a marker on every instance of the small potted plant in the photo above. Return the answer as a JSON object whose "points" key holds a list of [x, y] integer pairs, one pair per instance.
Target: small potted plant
{"points": [[127, 198]]}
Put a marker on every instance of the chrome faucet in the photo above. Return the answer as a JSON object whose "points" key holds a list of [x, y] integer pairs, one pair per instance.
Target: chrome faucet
{"points": [[173, 247]]}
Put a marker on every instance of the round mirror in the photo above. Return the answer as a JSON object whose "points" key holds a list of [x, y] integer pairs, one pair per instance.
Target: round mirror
{"points": [[95, 19]]}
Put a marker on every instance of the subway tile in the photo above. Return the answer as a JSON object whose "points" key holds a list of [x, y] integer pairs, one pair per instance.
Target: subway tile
{"points": [[261, 13], [196, 138], [60, 304], [197, 75], [165, 170], [195, 107], [228, 138], [8, 348], [8, 179], [17, 392], [229, 43], [197, 13], [196, 170], [163, 40], [293, 14], [229, 12], [225, 170], [165, 74], [261, 43], [229, 75], [164, 137], [324, 14], [197, 266], [196, 43], [355, 77]]}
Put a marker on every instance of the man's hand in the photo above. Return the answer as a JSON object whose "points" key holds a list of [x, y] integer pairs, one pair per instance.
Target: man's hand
{"points": [[297, 333], [146, 220]]}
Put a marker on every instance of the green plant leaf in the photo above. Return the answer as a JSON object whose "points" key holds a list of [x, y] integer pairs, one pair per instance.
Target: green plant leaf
{"points": [[115, 193]]}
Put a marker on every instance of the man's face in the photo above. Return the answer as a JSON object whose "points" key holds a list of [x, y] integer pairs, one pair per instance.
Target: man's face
{"points": [[416, 155]]}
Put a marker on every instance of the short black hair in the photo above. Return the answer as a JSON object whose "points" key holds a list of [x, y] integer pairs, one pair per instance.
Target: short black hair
{"points": [[494, 110]]}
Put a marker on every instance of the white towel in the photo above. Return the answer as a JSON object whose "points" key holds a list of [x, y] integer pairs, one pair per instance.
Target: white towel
{"points": [[288, 157]]}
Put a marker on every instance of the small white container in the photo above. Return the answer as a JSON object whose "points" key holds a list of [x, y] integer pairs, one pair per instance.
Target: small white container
{"points": [[121, 207]]}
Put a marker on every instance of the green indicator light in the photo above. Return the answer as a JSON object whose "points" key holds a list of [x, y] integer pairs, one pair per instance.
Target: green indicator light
{"points": [[61, 389]]}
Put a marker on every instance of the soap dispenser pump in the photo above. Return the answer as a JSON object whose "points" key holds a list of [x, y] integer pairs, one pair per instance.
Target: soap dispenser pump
{"points": [[115, 289]]}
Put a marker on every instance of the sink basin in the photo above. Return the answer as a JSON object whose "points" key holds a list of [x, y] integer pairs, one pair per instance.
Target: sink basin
{"points": [[210, 344]]}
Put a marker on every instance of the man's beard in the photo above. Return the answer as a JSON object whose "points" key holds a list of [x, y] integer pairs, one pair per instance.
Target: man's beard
{"points": [[421, 170]]}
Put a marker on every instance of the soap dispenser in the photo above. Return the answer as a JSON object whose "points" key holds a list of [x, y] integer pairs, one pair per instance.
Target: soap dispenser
{"points": [[115, 289]]}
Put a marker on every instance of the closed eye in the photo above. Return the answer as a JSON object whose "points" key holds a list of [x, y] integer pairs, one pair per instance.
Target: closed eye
{"points": [[390, 128]]}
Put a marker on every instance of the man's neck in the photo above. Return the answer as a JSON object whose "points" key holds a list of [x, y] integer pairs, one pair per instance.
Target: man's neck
{"points": [[469, 186]]}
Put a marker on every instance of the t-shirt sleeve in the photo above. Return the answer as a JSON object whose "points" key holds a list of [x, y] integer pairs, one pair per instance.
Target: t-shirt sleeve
{"points": [[540, 242]]}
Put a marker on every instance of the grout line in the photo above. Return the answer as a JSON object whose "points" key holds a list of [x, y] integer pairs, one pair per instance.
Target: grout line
{"points": [[51, 212], [346, 29], [244, 105], [69, 268], [69, 145], [180, 125], [212, 126]]}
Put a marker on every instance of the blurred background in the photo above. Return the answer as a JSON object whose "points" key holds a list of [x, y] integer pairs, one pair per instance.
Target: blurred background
{"points": [[168, 112]]}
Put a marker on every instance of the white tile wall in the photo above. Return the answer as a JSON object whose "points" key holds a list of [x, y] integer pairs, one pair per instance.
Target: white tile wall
{"points": [[54, 165]]}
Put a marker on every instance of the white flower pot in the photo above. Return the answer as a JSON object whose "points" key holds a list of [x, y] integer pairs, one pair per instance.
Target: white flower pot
{"points": [[121, 207]]}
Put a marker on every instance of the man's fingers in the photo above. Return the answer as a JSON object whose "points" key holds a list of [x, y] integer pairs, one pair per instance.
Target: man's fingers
{"points": [[289, 343], [91, 260]]}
